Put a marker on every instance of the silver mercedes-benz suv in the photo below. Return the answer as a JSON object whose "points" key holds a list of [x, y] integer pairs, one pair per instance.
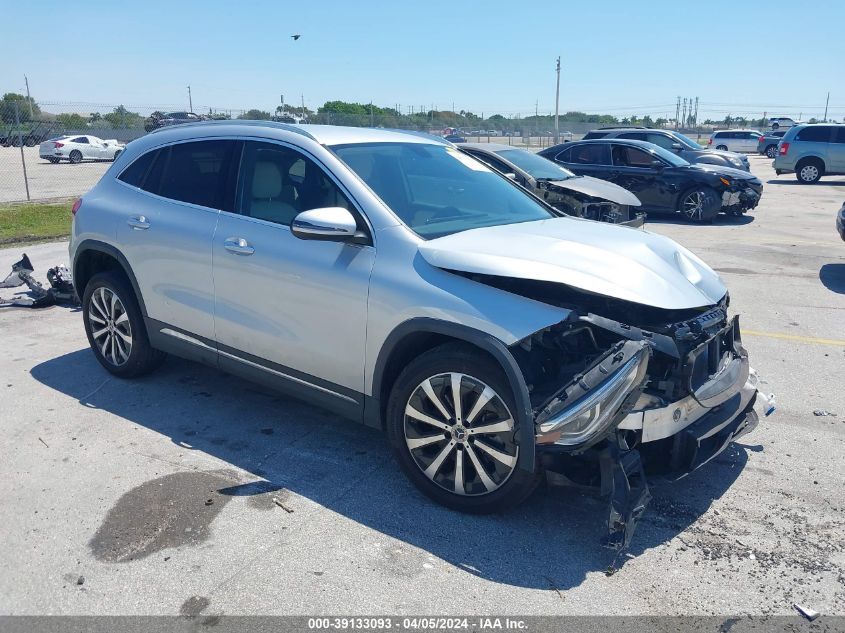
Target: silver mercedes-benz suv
{"points": [[394, 280]]}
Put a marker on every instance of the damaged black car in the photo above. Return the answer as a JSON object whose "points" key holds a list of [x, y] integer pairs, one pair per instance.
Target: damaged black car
{"points": [[664, 182]]}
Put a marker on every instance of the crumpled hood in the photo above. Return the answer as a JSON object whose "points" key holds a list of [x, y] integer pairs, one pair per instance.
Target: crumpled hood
{"points": [[606, 259], [598, 188]]}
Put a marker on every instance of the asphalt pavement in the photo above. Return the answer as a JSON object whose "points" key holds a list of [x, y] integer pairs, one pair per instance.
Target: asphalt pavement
{"points": [[190, 491]]}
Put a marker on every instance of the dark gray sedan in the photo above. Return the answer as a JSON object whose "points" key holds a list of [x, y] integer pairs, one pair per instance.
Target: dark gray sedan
{"points": [[677, 143], [582, 196]]}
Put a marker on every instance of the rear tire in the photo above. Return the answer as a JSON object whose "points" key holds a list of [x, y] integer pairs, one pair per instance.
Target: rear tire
{"points": [[465, 459], [699, 204], [809, 171], [115, 327], [75, 157], [722, 147], [772, 151]]}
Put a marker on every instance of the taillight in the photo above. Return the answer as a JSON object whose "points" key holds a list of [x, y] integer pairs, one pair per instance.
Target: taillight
{"points": [[58, 145], [783, 148], [76, 206], [709, 141]]}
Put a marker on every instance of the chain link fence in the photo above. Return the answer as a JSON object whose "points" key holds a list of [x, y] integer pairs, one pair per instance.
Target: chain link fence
{"points": [[32, 167]]}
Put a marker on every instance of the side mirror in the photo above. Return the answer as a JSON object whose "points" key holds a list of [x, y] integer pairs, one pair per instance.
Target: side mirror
{"points": [[677, 147], [328, 224], [658, 165]]}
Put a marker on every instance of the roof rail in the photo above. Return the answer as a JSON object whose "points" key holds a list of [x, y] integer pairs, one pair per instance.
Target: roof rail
{"points": [[245, 122], [624, 127]]}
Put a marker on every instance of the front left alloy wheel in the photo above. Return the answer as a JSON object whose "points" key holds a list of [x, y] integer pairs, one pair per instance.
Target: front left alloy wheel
{"points": [[700, 204], [452, 429]]}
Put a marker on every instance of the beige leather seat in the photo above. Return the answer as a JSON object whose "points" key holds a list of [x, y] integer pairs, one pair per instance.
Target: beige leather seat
{"points": [[272, 199]]}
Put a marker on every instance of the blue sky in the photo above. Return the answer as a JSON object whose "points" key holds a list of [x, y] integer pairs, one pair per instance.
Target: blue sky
{"points": [[619, 57]]}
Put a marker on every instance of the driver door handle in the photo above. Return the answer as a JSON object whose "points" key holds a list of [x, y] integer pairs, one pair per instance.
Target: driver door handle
{"points": [[138, 222], [238, 246]]}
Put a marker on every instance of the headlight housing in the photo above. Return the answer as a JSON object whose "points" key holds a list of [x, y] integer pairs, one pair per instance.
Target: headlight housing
{"points": [[578, 421]]}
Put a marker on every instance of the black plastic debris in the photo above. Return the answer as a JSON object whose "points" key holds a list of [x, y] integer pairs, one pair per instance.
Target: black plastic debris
{"points": [[624, 480], [61, 288]]}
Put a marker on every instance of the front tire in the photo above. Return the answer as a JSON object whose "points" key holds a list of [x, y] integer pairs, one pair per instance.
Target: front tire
{"points": [[699, 204], [722, 147], [115, 327], [75, 157], [463, 455], [809, 171]]}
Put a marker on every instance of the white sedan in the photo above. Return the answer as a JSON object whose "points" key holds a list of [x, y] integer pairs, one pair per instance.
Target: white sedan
{"points": [[75, 149]]}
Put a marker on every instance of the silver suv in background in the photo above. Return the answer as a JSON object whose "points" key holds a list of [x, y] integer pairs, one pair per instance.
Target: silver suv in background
{"points": [[744, 141], [782, 122], [394, 280], [812, 151]]}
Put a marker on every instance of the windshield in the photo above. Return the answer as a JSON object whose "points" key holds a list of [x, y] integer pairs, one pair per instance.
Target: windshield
{"points": [[536, 166], [686, 140], [670, 157], [436, 190]]}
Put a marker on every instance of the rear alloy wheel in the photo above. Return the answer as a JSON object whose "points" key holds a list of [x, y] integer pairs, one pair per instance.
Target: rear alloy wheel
{"points": [[75, 157], [808, 172], [722, 147], [699, 205], [450, 422], [772, 151], [115, 327], [111, 330]]}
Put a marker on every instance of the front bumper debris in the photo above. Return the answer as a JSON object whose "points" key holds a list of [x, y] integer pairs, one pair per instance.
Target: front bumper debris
{"points": [[623, 481]]}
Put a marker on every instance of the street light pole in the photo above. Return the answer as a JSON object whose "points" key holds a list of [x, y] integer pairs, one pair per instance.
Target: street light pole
{"points": [[190, 101], [29, 99], [557, 103], [825, 105]]}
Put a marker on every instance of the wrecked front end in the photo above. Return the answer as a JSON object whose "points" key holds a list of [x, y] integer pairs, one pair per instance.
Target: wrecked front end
{"points": [[582, 205], [741, 196], [642, 390]]}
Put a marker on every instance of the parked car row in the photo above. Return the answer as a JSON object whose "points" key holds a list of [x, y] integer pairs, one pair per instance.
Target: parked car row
{"points": [[400, 282], [75, 149]]}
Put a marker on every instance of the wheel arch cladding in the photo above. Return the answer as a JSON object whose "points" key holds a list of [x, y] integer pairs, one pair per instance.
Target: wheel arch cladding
{"points": [[94, 257], [418, 335]]}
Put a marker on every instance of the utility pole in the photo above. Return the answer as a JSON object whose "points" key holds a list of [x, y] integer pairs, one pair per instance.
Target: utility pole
{"points": [[302, 101], [190, 101], [695, 117], [371, 115], [557, 103], [684, 113], [825, 105], [29, 99], [677, 112], [536, 108]]}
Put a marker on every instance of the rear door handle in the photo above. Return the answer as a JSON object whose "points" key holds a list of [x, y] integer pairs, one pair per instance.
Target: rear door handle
{"points": [[238, 246], [139, 223]]}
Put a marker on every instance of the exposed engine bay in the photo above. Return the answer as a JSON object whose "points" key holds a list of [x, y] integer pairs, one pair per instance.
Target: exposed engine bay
{"points": [[582, 205], [669, 356]]}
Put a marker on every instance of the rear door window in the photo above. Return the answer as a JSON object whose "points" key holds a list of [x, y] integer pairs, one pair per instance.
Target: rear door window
{"points": [[661, 140], [198, 172], [813, 133], [589, 154], [636, 136], [80, 139]]}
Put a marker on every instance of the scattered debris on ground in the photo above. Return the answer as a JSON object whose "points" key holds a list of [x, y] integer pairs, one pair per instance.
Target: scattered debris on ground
{"points": [[807, 612], [822, 412], [60, 291], [281, 504]]}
